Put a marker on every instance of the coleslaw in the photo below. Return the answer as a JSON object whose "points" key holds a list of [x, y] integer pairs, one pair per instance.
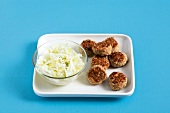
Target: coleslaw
{"points": [[60, 61]]}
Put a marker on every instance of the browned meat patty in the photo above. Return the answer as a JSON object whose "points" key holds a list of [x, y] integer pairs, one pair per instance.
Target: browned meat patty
{"points": [[114, 44], [102, 48], [100, 60], [118, 59], [96, 74], [117, 81], [87, 45]]}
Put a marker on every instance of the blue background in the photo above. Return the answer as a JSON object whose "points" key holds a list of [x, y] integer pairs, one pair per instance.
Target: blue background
{"points": [[22, 22]]}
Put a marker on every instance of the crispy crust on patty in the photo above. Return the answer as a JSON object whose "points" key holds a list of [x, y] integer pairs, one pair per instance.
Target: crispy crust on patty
{"points": [[114, 44], [118, 59], [87, 45], [96, 74], [100, 60], [117, 81], [102, 48]]}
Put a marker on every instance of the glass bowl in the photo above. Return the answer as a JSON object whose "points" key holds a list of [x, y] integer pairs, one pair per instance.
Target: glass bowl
{"points": [[58, 80]]}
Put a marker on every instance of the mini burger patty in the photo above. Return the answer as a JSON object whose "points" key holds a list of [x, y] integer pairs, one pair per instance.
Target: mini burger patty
{"points": [[87, 45], [102, 49], [114, 44], [118, 59], [100, 60], [96, 74], [117, 81]]}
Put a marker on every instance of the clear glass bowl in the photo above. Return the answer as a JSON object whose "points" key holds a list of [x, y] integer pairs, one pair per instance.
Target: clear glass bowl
{"points": [[55, 80]]}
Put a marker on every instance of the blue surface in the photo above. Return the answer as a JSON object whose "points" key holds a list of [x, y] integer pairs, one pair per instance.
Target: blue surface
{"points": [[146, 22]]}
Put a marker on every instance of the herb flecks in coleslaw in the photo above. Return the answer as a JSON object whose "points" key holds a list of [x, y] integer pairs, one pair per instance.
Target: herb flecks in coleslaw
{"points": [[60, 61]]}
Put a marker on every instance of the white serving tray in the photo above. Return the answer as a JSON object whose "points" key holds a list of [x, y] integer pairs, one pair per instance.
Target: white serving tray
{"points": [[81, 87]]}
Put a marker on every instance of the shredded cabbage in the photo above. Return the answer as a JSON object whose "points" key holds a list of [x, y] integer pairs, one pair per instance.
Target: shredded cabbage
{"points": [[60, 61]]}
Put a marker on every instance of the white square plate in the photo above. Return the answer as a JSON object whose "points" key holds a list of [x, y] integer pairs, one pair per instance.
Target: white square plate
{"points": [[81, 86]]}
